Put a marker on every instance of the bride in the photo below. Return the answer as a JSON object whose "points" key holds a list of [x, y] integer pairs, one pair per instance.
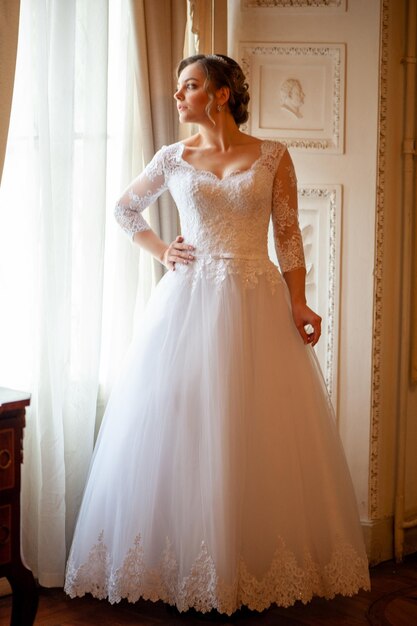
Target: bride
{"points": [[218, 478]]}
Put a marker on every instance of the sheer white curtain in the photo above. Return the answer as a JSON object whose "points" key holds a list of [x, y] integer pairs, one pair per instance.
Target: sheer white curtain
{"points": [[72, 111], [51, 251]]}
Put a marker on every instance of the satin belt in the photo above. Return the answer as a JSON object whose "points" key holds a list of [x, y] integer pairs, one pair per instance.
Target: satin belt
{"points": [[232, 255]]}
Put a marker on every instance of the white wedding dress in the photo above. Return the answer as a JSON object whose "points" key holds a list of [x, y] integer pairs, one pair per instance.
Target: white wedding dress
{"points": [[218, 478]]}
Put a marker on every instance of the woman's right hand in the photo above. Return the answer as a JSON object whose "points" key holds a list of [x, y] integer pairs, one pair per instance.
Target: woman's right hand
{"points": [[177, 252]]}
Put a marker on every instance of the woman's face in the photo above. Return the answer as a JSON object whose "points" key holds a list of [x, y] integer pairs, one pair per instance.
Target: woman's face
{"points": [[191, 95]]}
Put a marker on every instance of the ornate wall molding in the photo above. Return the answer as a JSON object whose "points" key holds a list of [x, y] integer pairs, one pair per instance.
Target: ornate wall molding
{"points": [[378, 272], [308, 116], [326, 203]]}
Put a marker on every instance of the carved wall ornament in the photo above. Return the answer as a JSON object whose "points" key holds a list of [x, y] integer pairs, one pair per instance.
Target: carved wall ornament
{"points": [[292, 96], [297, 94]]}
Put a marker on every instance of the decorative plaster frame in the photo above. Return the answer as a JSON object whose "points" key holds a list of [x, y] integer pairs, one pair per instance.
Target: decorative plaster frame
{"points": [[317, 68], [297, 6], [326, 201], [320, 216]]}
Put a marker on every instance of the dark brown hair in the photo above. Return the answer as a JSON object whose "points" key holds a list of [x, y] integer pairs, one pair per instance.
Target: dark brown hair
{"points": [[222, 71]]}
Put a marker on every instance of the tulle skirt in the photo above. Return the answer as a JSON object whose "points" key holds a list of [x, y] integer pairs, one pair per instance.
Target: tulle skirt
{"points": [[218, 478]]}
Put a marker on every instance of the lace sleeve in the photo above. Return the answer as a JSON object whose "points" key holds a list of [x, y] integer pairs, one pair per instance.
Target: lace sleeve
{"points": [[141, 192], [287, 235]]}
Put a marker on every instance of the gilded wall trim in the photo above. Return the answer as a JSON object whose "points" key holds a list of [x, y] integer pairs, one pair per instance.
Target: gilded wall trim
{"points": [[378, 268], [293, 4]]}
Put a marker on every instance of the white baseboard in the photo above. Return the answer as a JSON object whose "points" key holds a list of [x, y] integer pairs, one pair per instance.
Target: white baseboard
{"points": [[379, 539]]}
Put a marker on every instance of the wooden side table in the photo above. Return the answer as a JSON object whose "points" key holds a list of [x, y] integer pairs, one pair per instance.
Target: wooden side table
{"points": [[12, 423]]}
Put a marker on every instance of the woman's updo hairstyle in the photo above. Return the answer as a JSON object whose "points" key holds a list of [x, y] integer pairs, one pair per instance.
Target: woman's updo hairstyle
{"points": [[222, 71]]}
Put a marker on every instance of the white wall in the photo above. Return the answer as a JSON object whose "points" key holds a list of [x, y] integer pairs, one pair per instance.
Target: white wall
{"points": [[358, 27]]}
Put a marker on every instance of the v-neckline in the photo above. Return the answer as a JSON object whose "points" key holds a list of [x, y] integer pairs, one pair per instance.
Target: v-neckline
{"points": [[230, 174]]}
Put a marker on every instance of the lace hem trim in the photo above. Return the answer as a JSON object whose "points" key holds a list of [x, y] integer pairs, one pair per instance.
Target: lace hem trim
{"points": [[285, 582], [216, 269]]}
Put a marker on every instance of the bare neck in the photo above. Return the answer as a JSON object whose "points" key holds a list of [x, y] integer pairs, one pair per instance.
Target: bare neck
{"points": [[222, 136]]}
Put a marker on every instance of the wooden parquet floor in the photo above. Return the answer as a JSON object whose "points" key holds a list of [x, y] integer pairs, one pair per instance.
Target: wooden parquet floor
{"points": [[391, 602]]}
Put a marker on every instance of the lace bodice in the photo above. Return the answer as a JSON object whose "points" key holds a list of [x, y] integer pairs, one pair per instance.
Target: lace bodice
{"points": [[223, 218]]}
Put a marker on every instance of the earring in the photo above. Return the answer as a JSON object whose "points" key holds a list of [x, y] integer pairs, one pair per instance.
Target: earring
{"points": [[219, 107]]}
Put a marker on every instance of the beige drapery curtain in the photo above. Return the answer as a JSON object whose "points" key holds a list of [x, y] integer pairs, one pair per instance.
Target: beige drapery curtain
{"points": [[9, 27], [201, 12], [209, 24], [159, 34]]}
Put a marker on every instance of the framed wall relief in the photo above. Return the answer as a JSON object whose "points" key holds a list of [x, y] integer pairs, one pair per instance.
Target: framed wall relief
{"points": [[320, 216], [296, 6], [297, 94]]}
